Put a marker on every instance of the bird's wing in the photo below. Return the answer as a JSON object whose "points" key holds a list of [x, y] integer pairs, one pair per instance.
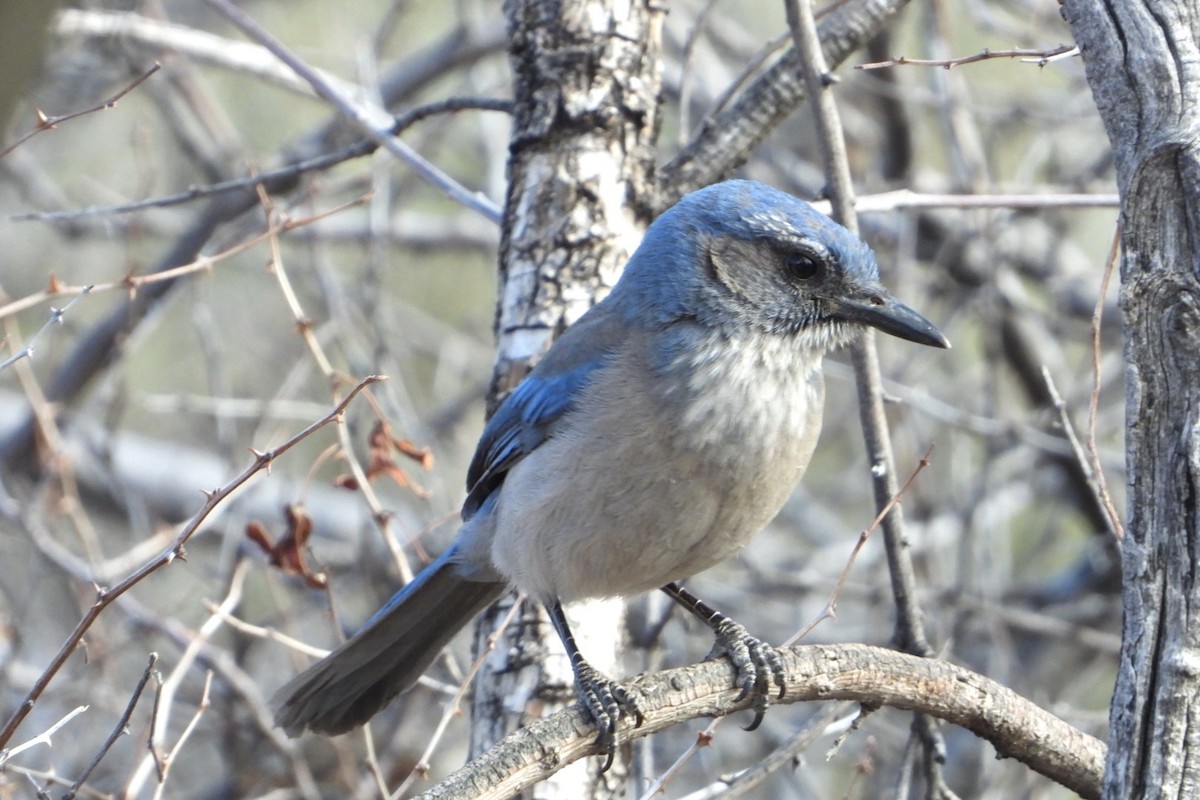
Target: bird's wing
{"points": [[527, 417]]}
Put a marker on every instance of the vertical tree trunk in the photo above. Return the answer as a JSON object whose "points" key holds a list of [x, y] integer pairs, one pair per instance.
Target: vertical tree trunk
{"points": [[586, 77], [1143, 65]]}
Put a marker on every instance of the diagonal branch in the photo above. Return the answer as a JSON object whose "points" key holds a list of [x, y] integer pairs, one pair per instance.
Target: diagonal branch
{"points": [[871, 676], [106, 596], [99, 348], [727, 139]]}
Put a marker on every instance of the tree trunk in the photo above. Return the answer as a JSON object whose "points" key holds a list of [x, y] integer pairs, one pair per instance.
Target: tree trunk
{"points": [[1144, 69], [586, 77]]}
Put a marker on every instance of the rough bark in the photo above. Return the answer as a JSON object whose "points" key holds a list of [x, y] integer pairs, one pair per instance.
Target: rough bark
{"points": [[869, 675], [586, 78], [727, 139], [1143, 65]]}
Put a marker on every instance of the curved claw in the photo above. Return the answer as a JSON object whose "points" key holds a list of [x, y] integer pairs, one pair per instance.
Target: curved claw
{"points": [[756, 665], [606, 701]]}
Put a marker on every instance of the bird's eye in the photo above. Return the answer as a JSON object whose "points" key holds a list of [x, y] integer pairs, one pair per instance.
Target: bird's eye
{"points": [[802, 266]]}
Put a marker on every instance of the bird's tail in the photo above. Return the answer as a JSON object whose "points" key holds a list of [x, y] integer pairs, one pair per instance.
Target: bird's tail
{"points": [[347, 687]]}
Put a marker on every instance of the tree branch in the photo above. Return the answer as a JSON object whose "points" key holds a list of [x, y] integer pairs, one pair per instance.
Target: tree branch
{"points": [[869, 675], [727, 139]]}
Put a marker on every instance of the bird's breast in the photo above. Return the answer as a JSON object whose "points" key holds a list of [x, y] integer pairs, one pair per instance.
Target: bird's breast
{"points": [[660, 473]]}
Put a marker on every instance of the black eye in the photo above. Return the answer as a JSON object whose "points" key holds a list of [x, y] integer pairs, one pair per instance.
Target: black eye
{"points": [[802, 266]]}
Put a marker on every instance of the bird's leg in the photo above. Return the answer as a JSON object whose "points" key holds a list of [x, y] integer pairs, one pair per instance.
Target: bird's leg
{"points": [[756, 663], [605, 700]]}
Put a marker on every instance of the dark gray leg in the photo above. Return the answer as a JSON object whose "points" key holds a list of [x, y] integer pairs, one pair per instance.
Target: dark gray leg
{"points": [[756, 663], [605, 700]]}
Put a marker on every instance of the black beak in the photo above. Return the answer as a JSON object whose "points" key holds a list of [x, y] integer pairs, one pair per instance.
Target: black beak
{"points": [[880, 310]]}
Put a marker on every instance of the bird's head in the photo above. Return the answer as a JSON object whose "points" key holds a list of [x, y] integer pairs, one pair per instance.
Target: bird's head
{"points": [[741, 253]]}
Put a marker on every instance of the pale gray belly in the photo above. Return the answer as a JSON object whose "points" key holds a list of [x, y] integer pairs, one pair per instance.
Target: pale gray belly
{"points": [[623, 502]]}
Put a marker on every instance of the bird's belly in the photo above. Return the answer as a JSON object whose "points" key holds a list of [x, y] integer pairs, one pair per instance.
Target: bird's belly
{"points": [[615, 507]]}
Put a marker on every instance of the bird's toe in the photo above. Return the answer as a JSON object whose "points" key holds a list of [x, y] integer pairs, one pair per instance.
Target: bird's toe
{"points": [[606, 702], [756, 666]]}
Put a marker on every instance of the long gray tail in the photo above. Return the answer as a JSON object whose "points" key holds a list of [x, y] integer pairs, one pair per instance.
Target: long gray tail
{"points": [[351, 684]]}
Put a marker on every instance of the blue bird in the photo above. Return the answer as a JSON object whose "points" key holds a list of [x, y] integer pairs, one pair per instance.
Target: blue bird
{"points": [[660, 433]]}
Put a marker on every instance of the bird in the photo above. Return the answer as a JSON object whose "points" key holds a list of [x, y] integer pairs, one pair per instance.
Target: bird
{"points": [[659, 433]]}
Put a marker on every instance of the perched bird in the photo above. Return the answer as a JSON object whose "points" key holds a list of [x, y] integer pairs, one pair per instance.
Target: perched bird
{"points": [[660, 433]]}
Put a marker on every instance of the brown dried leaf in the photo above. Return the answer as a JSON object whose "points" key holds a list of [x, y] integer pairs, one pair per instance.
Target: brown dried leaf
{"points": [[288, 554], [422, 455], [346, 481]]}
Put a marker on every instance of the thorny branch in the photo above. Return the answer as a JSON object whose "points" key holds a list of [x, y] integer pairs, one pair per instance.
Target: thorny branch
{"points": [[106, 596]]}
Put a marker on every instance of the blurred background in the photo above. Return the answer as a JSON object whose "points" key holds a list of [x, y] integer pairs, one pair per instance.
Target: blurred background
{"points": [[368, 270]]}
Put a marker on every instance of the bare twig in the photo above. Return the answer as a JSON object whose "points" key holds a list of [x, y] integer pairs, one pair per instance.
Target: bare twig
{"points": [[288, 173], [119, 730], [56, 318], [46, 123], [52, 779], [169, 758], [745, 782], [1118, 528], [906, 198], [42, 738], [106, 596], [131, 283], [373, 120], [270, 634], [1039, 57], [817, 79], [830, 609], [878, 440], [304, 325], [164, 701], [1086, 464], [201, 47]]}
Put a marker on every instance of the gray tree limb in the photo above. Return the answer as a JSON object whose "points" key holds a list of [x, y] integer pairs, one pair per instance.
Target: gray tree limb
{"points": [[1143, 65], [872, 676]]}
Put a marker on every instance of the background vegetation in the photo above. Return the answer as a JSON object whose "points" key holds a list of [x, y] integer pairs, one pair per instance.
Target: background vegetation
{"points": [[366, 269]]}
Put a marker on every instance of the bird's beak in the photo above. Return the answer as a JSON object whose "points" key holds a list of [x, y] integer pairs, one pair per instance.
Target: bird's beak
{"points": [[880, 310]]}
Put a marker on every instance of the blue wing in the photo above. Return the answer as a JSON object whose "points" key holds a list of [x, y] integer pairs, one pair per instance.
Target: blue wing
{"points": [[529, 415]]}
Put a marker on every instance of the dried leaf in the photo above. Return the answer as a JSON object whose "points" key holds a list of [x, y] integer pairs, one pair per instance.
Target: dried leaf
{"points": [[288, 554]]}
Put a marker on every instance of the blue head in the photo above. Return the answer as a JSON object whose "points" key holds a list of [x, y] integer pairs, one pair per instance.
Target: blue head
{"points": [[740, 253]]}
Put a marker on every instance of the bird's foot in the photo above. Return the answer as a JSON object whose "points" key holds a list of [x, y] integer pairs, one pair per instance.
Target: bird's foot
{"points": [[757, 665], [606, 701]]}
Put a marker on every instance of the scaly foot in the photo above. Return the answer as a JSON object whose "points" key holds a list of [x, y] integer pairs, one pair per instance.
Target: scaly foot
{"points": [[757, 665], [755, 662], [606, 701]]}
